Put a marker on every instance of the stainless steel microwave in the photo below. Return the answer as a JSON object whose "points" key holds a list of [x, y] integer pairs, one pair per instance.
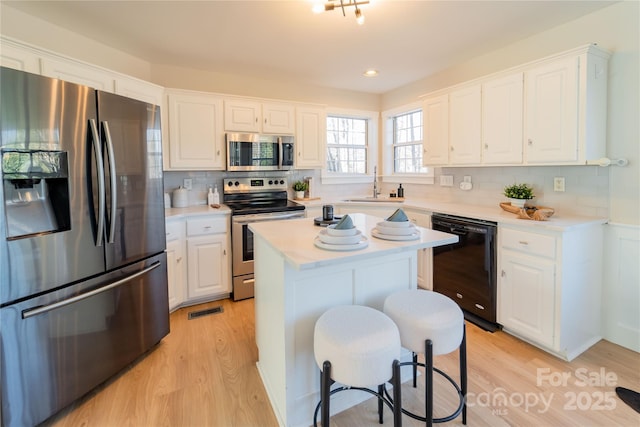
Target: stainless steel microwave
{"points": [[255, 152]]}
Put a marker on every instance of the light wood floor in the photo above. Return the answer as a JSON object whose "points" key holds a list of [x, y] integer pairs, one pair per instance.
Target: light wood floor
{"points": [[203, 374]]}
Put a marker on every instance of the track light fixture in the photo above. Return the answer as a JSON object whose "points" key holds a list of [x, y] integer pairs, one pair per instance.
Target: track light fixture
{"points": [[342, 4]]}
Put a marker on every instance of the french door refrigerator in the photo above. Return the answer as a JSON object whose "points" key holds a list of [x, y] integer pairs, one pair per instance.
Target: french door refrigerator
{"points": [[83, 281]]}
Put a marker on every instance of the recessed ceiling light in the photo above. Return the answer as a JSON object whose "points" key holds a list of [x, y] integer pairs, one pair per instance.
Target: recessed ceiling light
{"points": [[370, 73]]}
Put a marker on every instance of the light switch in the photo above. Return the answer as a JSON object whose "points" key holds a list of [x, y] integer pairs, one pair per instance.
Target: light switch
{"points": [[187, 183], [558, 183]]}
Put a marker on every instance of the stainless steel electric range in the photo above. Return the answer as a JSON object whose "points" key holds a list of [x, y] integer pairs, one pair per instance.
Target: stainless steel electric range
{"points": [[253, 200]]}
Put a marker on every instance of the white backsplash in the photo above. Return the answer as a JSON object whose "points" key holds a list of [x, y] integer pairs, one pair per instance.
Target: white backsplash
{"points": [[586, 187]]}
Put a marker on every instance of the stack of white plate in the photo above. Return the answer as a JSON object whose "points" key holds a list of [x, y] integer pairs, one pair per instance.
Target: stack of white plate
{"points": [[343, 239], [396, 230]]}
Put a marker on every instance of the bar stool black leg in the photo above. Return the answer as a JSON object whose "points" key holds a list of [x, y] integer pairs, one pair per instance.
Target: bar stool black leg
{"points": [[325, 387], [463, 372], [415, 369], [380, 405], [428, 384], [397, 395]]}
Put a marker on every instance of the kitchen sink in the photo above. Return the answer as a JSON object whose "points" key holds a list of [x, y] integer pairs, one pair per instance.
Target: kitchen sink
{"points": [[375, 199]]}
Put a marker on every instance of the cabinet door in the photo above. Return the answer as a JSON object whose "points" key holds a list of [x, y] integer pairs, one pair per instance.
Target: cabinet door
{"points": [[208, 273], [76, 72], [19, 59], [526, 303], [425, 256], [242, 116], [464, 126], [311, 134], [140, 90], [196, 139], [435, 118], [551, 126], [278, 118], [175, 273], [502, 120]]}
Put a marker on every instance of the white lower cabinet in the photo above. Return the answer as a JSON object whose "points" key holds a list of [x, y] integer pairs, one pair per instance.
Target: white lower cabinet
{"points": [[176, 260], [425, 256], [198, 259], [549, 286]]}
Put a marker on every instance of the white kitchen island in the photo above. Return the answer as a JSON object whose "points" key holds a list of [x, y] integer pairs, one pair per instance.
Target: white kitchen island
{"points": [[295, 282]]}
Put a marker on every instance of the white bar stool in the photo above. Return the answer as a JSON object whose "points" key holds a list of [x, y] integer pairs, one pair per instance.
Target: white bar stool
{"points": [[358, 347], [433, 324]]}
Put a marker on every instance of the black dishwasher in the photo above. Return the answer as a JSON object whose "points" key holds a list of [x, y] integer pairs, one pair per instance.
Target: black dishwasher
{"points": [[466, 271]]}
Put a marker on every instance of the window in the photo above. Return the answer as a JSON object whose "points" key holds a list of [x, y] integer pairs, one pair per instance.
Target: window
{"points": [[347, 144], [407, 143]]}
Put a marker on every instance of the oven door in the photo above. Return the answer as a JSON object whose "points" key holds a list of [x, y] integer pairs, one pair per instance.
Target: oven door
{"points": [[242, 238]]}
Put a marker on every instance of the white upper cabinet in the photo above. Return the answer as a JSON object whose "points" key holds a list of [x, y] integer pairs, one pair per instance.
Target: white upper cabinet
{"points": [[552, 113], [19, 58], [310, 137], [140, 90], [435, 117], [241, 115], [278, 118], [79, 73], [502, 120], [465, 126], [196, 137], [548, 112]]}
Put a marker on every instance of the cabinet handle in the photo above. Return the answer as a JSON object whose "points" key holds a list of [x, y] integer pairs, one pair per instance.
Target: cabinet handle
{"points": [[179, 259], [486, 146], [265, 121], [218, 153], [207, 227], [523, 242], [256, 120], [224, 252], [530, 141], [479, 306], [502, 273], [451, 148]]}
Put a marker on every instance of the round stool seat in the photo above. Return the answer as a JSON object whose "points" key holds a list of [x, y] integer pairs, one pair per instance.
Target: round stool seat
{"points": [[360, 342], [422, 315]]}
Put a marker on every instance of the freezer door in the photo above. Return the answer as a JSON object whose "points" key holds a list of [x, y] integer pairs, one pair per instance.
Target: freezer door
{"points": [[41, 115], [57, 347], [130, 131]]}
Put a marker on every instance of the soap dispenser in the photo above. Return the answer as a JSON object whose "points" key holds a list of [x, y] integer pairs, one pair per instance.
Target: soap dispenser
{"points": [[400, 191], [210, 197], [216, 196]]}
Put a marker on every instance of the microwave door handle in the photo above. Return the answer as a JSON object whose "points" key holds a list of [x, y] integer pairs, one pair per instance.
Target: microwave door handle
{"points": [[280, 153]]}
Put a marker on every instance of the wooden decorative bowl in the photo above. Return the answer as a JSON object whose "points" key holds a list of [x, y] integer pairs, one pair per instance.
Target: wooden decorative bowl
{"points": [[536, 213]]}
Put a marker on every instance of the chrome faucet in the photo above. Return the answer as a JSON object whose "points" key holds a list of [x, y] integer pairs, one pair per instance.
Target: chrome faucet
{"points": [[375, 182]]}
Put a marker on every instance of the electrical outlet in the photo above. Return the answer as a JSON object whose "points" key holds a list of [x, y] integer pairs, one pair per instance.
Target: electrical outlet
{"points": [[187, 183], [466, 178], [558, 183], [446, 180]]}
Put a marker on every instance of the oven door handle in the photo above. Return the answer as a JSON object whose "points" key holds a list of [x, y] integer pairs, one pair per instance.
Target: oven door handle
{"points": [[242, 220]]}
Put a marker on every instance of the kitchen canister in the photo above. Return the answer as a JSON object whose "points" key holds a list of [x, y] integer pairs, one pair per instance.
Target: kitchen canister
{"points": [[180, 197]]}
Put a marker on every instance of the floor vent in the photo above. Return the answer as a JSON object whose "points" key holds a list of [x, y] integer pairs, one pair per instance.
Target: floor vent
{"points": [[196, 314]]}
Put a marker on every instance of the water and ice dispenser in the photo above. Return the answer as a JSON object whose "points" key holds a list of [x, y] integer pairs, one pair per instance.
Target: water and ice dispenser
{"points": [[36, 192]]}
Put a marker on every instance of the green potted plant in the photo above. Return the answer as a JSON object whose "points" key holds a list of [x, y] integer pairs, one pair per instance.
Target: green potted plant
{"points": [[518, 194], [300, 187]]}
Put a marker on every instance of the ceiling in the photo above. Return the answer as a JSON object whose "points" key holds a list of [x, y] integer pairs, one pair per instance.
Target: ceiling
{"points": [[283, 40]]}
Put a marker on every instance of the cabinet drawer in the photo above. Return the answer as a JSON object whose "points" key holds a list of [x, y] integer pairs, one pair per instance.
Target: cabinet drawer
{"points": [[174, 230], [202, 226], [531, 243]]}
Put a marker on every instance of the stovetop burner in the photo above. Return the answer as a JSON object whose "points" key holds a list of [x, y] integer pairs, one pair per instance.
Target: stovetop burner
{"points": [[258, 195]]}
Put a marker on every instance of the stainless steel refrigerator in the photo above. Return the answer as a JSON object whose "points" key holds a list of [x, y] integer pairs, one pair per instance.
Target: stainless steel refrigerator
{"points": [[83, 280]]}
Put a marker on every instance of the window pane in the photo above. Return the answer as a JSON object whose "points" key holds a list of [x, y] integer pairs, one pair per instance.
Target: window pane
{"points": [[346, 144], [407, 143]]}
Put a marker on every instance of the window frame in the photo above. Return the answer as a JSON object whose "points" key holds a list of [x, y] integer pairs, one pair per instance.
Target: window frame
{"points": [[372, 148], [390, 175]]}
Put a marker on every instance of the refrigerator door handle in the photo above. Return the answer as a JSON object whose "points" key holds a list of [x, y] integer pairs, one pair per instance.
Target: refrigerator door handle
{"points": [[46, 308], [114, 182], [101, 182]]}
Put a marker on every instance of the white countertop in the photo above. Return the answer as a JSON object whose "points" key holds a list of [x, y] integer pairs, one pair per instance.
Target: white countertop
{"points": [[557, 222], [196, 211], [294, 240]]}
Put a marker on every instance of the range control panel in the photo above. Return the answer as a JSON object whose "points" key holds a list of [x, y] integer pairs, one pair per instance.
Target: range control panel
{"points": [[247, 185]]}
